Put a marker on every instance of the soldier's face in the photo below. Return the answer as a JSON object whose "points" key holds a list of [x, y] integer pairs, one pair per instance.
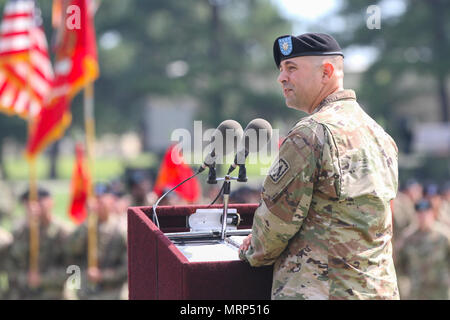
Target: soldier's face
{"points": [[105, 205], [415, 192], [46, 205], [300, 79], [426, 219]]}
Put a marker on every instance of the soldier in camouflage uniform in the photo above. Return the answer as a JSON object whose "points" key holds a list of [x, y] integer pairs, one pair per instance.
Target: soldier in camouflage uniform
{"points": [[445, 209], [107, 281], [5, 242], [6, 200], [325, 220], [404, 212], [424, 257], [48, 283]]}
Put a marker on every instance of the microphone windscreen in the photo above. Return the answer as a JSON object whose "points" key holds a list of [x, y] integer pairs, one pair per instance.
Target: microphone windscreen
{"points": [[226, 137], [257, 134]]}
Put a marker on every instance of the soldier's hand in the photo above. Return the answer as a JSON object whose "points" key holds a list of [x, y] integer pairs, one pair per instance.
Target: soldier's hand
{"points": [[94, 274], [34, 279], [246, 243]]}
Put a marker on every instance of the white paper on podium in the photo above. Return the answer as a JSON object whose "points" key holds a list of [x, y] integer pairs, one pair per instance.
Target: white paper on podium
{"points": [[205, 252]]}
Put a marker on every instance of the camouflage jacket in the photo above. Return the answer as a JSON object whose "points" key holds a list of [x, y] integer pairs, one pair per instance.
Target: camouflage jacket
{"points": [[112, 260], [325, 220], [52, 262], [424, 259], [404, 213], [5, 242]]}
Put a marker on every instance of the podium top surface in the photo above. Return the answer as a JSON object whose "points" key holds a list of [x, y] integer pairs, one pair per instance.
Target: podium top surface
{"points": [[175, 218], [209, 251]]}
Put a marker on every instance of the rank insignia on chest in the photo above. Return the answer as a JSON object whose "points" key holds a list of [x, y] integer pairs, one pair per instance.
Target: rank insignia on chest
{"points": [[285, 45], [278, 171]]}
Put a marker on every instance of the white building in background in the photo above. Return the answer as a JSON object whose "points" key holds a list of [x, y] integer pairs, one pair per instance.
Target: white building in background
{"points": [[162, 115]]}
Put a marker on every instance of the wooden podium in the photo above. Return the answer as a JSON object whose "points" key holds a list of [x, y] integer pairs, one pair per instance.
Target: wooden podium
{"points": [[158, 270]]}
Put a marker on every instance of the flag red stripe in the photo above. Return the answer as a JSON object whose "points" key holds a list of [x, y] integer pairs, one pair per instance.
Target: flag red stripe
{"points": [[17, 15], [2, 88], [13, 34]]}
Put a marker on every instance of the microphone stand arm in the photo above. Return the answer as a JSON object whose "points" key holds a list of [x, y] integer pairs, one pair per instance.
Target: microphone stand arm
{"points": [[226, 198]]}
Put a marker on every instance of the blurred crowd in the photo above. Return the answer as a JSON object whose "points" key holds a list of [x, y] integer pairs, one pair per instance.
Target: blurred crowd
{"points": [[421, 240], [64, 271], [421, 245]]}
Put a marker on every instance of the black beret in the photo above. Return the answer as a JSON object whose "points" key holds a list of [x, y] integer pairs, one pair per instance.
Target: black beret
{"points": [[41, 194], [307, 44], [422, 205], [431, 189], [102, 188]]}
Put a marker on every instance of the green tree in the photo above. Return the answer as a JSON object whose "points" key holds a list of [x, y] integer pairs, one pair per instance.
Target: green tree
{"points": [[413, 42], [226, 45]]}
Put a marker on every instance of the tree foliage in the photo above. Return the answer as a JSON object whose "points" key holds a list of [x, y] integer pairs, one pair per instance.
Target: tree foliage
{"points": [[414, 42]]}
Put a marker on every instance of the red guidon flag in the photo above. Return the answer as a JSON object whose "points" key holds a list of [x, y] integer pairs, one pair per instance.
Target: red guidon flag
{"points": [[174, 170], [75, 66], [26, 72], [80, 185]]}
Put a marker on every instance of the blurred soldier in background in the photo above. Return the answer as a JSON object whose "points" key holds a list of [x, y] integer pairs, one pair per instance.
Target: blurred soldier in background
{"points": [[5, 242], [423, 258], [404, 212], [431, 192], [445, 209], [6, 200], [140, 186], [245, 195], [48, 283], [122, 202], [109, 279]]}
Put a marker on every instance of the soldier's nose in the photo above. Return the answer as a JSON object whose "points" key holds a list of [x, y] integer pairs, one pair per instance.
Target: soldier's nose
{"points": [[282, 77]]}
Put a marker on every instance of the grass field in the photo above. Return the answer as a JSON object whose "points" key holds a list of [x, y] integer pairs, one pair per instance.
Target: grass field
{"points": [[17, 168]]}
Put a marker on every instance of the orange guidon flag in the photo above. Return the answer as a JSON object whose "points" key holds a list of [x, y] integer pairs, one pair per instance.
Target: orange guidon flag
{"points": [[80, 184], [174, 170], [75, 67]]}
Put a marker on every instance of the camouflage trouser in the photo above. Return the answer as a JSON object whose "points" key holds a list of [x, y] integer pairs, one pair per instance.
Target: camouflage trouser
{"points": [[92, 292], [4, 285], [35, 294]]}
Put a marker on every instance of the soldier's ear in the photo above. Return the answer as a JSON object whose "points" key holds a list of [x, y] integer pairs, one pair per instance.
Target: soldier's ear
{"points": [[327, 71]]}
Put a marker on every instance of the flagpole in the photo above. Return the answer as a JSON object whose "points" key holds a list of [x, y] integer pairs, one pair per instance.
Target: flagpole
{"points": [[89, 121], [33, 222]]}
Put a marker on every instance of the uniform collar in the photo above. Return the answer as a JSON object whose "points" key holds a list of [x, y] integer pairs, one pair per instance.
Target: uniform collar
{"points": [[336, 96]]}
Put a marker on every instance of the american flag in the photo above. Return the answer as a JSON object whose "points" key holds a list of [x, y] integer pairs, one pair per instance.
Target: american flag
{"points": [[26, 73]]}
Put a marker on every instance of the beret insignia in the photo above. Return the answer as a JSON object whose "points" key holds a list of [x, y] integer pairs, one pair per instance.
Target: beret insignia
{"points": [[285, 45]]}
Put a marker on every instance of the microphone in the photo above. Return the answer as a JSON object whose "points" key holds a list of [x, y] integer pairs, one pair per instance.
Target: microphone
{"points": [[218, 142], [256, 129]]}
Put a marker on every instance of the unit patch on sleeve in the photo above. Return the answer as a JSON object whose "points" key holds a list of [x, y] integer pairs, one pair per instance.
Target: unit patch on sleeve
{"points": [[277, 172]]}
